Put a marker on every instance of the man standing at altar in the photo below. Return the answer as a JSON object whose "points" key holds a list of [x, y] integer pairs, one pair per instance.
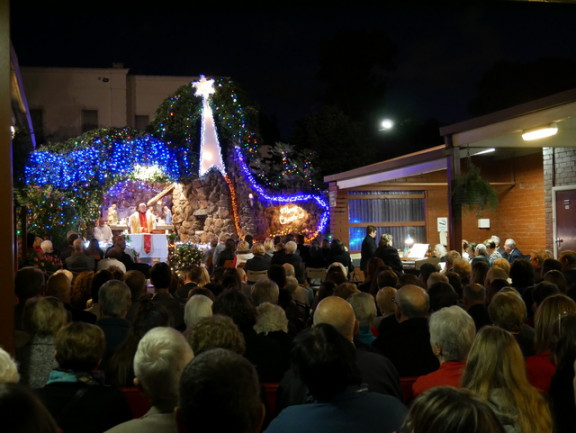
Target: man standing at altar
{"points": [[141, 221]]}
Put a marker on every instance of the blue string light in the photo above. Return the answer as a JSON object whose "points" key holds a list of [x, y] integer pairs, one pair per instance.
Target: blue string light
{"points": [[84, 167], [295, 198]]}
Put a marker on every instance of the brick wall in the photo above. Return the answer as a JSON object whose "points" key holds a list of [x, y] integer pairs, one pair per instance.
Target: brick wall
{"points": [[521, 212]]}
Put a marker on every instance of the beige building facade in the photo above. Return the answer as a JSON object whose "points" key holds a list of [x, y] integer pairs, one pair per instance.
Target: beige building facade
{"points": [[65, 102]]}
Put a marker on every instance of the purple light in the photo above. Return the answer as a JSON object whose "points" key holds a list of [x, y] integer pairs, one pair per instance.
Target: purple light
{"points": [[283, 199]]}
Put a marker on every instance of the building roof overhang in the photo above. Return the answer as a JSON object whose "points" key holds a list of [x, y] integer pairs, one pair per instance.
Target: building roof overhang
{"points": [[501, 130]]}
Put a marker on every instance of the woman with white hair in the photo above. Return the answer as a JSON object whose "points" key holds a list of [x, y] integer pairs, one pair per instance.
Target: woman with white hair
{"points": [[197, 307], [8, 368], [452, 332]]}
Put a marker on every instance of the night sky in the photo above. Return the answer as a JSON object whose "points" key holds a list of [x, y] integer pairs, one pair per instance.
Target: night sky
{"points": [[443, 50]]}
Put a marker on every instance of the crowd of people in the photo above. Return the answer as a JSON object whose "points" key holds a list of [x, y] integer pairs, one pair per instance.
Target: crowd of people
{"points": [[474, 346]]}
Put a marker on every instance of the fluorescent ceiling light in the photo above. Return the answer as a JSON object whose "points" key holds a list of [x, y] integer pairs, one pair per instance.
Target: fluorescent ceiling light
{"points": [[542, 132], [489, 150]]}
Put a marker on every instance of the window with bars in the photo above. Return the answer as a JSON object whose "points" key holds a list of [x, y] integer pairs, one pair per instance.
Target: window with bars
{"points": [[399, 213]]}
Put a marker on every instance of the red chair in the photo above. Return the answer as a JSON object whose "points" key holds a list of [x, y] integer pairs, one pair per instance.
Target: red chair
{"points": [[137, 400], [270, 390], [406, 384]]}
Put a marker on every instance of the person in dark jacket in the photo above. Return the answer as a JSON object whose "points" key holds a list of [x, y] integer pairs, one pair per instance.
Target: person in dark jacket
{"points": [[75, 393], [389, 254], [368, 247]]}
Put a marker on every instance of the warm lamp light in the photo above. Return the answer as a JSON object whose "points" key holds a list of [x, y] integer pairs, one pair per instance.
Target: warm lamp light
{"points": [[542, 132], [409, 241]]}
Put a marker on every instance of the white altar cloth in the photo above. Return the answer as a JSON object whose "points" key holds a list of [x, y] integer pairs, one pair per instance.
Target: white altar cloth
{"points": [[159, 246]]}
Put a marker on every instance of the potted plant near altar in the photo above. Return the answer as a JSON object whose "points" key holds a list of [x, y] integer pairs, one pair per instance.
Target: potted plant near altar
{"points": [[472, 192]]}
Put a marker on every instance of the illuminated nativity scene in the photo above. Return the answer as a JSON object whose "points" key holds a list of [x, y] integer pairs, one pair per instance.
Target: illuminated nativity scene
{"points": [[199, 171]]}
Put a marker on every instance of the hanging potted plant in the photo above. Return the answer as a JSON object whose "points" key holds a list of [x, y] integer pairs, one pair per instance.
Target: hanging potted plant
{"points": [[472, 192]]}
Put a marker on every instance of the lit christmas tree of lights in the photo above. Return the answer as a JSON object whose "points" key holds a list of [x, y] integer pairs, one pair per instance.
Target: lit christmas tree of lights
{"points": [[210, 152]]}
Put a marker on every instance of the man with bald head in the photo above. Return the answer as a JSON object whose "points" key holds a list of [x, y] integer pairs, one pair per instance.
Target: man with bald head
{"points": [[378, 372], [408, 344]]}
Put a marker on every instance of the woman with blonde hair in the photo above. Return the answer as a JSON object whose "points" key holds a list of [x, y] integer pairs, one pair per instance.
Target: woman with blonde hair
{"points": [[540, 367], [445, 409], [43, 318], [495, 370]]}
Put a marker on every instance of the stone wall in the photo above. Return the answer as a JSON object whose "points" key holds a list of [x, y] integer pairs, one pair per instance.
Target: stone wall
{"points": [[202, 208]]}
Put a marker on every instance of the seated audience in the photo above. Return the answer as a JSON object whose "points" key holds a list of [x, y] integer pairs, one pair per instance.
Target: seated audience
{"points": [[347, 289], [80, 290], [424, 273], [273, 323], [197, 307], [558, 278], [495, 370], [450, 257], [265, 290], [408, 344], [191, 277], [75, 393], [263, 351], [539, 367], [446, 409], [437, 277], [8, 368], [339, 254], [325, 361], [568, 260], [474, 302], [389, 254], [561, 392], [336, 273], [114, 296], [100, 277], [521, 275], [260, 260], [508, 311], [378, 373], [364, 307], [373, 267], [113, 259], [441, 295], [161, 356], [28, 283], [216, 331], [79, 261], [452, 331], [227, 257], [43, 318], [161, 277], [59, 286], [94, 250], [243, 253], [385, 302], [541, 291], [120, 366], [136, 282], [22, 411], [463, 268], [220, 392]]}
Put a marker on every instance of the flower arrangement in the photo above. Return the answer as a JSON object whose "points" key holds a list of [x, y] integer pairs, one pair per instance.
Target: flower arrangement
{"points": [[184, 255], [49, 263]]}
